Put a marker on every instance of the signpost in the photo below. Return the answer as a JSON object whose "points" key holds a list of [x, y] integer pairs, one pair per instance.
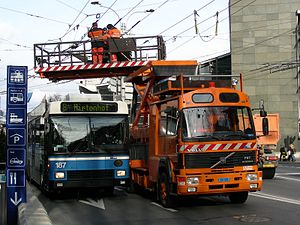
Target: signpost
{"points": [[16, 131]]}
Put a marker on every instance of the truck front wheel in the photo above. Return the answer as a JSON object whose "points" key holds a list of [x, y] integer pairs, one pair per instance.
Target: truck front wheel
{"points": [[238, 197], [164, 195], [268, 173]]}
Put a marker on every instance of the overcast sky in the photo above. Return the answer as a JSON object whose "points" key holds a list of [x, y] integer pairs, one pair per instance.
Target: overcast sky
{"points": [[25, 22]]}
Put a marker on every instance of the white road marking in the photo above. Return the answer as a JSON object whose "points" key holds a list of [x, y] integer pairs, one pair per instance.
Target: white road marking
{"points": [[287, 178], [275, 198], [287, 174], [118, 189], [284, 166], [168, 209], [99, 203]]}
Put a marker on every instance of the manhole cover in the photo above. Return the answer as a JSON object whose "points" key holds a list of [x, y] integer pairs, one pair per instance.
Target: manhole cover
{"points": [[252, 219]]}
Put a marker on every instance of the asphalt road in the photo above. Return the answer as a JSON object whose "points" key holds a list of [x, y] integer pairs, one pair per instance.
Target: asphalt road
{"points": [[277, 204]]}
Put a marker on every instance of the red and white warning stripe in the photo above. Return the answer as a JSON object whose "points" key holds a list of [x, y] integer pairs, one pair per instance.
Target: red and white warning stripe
{"points": [[207, 147], [91, 66]]}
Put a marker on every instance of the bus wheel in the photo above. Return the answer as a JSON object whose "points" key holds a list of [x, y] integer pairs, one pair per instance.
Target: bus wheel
{"points": [[164, 195], [109, 191], [238, 197]]}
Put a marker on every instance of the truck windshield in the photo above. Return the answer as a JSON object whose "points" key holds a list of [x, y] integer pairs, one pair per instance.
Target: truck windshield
{"points": [[217, 123], [82, 134]]}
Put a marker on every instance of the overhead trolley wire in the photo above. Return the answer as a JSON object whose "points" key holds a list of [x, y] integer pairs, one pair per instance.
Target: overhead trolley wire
{"points": [[129, 11], [205, 21], [108, 8], [16, 44], [69, 29], [70, 7], [146, 16], [186, 17], [37, 16]]}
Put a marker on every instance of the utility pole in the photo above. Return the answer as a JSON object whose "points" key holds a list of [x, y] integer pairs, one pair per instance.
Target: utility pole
{"points": [[298, 68]]}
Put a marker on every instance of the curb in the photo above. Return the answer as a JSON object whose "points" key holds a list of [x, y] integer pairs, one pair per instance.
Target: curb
{"points": [[32, 212]]}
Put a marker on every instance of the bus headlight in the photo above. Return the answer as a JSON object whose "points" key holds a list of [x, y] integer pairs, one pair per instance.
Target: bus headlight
{"points": [[121, 173], [251, 177], [192, 180], [59, 175]]}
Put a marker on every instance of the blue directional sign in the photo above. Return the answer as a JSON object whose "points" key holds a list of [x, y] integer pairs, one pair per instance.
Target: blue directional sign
{"points": [[16, 96], [16, 131], [17, 75], [15, 196], [15, 178], [16, 136], [16, 116], [16, 157]]}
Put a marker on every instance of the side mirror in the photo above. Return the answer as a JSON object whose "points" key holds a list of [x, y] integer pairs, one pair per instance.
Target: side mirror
{"points": [[265, 126], [263, 113]]}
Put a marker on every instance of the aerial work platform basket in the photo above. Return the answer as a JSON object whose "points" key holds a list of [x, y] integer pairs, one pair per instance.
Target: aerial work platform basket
{"points": [[73, 60]]}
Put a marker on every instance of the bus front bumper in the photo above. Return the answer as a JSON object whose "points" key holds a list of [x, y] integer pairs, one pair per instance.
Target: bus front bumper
{"points": [[103, 183]]}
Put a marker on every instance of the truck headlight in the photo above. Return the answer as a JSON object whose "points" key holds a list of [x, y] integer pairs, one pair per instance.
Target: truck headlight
{"points": [[192, 180], [251, 177], [121, 173], [59, 175]]}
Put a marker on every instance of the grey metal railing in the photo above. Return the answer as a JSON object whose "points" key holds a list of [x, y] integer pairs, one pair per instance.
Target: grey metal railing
{"points": [[80, 52]]}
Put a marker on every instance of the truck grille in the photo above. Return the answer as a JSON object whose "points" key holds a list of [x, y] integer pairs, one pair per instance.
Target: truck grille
{"points": [[207, 160], [90, 174]]}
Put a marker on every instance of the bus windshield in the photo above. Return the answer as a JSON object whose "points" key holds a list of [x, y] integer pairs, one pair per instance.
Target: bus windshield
{"points": [[81, 134], [217, 123]]}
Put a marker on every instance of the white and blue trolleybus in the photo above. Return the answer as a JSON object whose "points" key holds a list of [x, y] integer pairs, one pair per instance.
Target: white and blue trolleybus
{"points": [[80, 143]]}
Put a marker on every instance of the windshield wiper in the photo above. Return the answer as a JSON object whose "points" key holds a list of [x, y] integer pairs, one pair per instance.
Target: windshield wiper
{"points": [[240, 135], [208, 136], [80, 146]]}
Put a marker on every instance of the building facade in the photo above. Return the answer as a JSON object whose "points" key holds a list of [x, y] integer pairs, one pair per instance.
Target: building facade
{"points": [[263, 49]]}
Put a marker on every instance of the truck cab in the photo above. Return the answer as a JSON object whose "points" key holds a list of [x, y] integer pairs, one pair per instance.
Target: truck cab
{"points": [[197, 137]]}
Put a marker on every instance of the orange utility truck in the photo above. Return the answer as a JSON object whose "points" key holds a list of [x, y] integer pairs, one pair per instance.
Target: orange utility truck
{"points": [[267, 144], [192, 134]]}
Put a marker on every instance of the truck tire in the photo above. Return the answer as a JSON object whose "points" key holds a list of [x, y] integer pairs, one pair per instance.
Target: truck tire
{"points": [[269, 173], [164, 194], [238, 197]]}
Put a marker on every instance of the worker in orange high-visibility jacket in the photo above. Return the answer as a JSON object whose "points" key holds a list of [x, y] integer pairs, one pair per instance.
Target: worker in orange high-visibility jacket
{"points": [[114, 33], [97, 40]]}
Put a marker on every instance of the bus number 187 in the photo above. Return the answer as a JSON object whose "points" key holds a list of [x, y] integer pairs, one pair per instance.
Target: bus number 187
{"points": [[60, 165]]}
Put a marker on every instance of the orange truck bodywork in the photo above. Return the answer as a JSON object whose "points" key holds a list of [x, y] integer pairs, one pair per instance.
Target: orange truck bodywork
{"points": [[268, 143], [274, 133], [168, 164]]}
